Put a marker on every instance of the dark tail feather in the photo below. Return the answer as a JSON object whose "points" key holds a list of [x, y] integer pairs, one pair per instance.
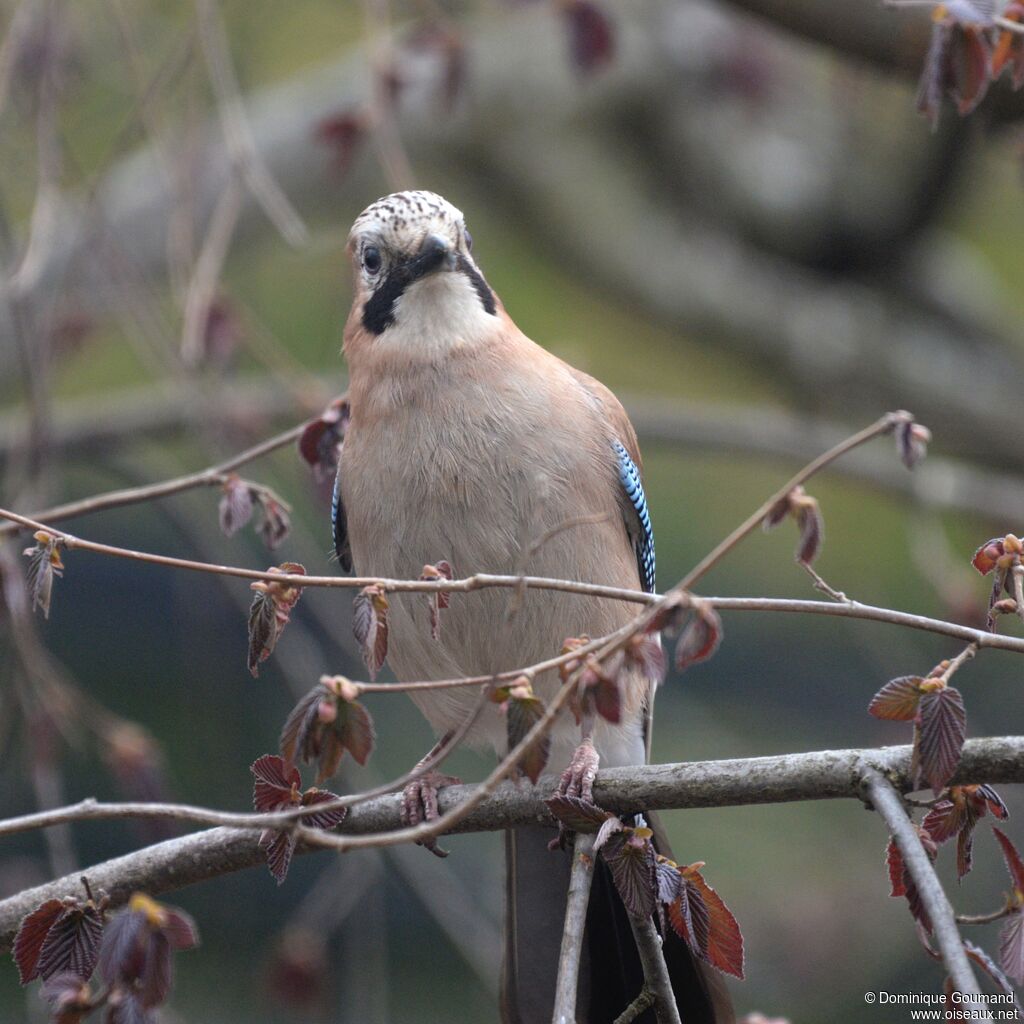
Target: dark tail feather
{"points": [[610, 975]]}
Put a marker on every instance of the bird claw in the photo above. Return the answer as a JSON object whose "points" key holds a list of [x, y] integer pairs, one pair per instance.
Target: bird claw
{"points": [[576, 781], [419, 804], [578, 778]]}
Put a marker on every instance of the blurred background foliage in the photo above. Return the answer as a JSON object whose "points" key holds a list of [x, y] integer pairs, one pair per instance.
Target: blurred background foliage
{"points": [[712, 216]]}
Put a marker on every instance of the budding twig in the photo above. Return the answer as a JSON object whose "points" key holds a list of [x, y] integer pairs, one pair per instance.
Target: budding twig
{"points": [[883, 426], [886, 800]]}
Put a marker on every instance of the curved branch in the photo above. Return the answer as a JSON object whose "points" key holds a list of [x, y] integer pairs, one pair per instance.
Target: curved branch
{"points": [[828, 774], [886, 800]]}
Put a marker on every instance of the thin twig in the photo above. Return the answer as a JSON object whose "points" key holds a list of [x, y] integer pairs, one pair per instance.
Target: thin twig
{"points": [[575, 924], [959, 661], [887, 801], [209, 477], [656, 976], [881, 426], [644, 1001], [237, 134], [996, 915], [483, 581]]}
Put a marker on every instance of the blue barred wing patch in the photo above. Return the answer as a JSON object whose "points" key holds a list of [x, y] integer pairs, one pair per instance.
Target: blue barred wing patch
{"points": [[629, 476], [339, 526]]}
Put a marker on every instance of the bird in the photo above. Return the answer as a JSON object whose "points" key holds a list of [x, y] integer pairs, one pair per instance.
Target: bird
{"points": [[470, 443]]}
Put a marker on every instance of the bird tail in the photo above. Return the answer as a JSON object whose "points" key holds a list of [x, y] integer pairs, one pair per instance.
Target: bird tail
{"points": [[611, 975]]}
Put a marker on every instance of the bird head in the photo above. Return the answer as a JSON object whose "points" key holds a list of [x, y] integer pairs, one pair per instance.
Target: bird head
{"points": [[416, 280]]}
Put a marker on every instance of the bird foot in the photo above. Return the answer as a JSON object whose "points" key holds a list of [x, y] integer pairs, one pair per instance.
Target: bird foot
{"points": [[419, 804], [576, 781], [578, 778]]}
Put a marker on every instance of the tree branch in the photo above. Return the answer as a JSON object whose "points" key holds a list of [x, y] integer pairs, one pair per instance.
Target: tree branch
{"points": [[575, 924], [886, 800], [819, 775], [208, 477], [656, 977], [885, 425]]}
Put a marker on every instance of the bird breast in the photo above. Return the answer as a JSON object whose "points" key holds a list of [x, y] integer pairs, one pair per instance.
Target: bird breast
{"points": [[495, 470]]}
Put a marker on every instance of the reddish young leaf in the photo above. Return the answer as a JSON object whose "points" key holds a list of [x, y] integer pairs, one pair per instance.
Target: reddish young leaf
{"points": [[630, 856], [612, 824], [277, 789], [277, 784], [993, 802], [136, 951], [263, 629], [958, 63], [280, 845], [31, 935], [700, 638], [945, 820], [44, 564], [567, 668], [275, 519], [1011, 946], [1009, 51], [607, 694], [987, 557], [965, 847], [1014, 863], [776, 513], [670, 882], [725, 940], [646, 654], [324, 724], [270, 612], [370, 626], [902, 884], [439, 599], [235, 504], [327, 819], [60, 936], [68, 997], [942, 724], [988, 965], [894, 862], [577, 814], [522, 714], [591, 37], [321, 441], [669, 614], [279, 848], [897, 700]]}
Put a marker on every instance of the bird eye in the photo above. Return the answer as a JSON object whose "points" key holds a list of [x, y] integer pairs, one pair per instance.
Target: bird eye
{"points": [[371, 259], [469, 240]]}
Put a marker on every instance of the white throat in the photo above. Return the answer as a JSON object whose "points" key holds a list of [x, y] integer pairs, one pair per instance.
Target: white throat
{"points": [[436, 316]]}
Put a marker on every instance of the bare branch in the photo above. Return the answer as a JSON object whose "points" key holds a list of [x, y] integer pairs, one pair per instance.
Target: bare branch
{"points": [[882, 426], [644, 1001], [828, 774], [209, 477], [656, 977], [575, 923], [886, 800]]}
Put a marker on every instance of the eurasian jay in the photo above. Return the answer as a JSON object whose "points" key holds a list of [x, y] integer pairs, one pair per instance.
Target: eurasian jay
{"points": [[470, 443]]}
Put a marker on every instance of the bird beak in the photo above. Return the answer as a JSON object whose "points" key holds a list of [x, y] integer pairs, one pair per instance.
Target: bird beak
{"points": [[436, 253]]}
